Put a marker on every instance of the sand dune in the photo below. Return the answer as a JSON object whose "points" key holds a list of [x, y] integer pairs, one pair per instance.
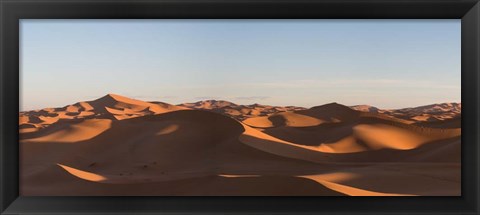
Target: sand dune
{"points": [[328, 113], [239, 112], [111, 106], [120, 146], [428, 115], [290, 119]]}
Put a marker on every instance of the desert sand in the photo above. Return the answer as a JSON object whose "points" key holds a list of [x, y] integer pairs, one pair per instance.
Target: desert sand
{"points": [[116, 145]]}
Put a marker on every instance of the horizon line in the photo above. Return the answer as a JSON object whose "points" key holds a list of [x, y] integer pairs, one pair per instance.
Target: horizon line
{"points": [[256, 103]]}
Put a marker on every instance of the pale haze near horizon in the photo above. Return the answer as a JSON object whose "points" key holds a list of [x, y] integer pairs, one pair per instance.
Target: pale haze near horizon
{"points": [[384, 63]]}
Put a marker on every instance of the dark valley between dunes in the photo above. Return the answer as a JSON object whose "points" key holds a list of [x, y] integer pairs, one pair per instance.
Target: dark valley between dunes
{"points": [[119, 146]]}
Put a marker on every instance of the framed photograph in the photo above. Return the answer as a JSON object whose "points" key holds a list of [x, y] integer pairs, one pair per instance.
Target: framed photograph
{"points": [[316, 107]]}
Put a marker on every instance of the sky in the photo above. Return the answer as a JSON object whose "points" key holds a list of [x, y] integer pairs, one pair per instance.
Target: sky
{"points": [[384, 63]]}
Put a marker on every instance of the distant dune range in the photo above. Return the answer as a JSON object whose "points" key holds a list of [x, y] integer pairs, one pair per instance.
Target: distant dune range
{"points": [[120, 146]]}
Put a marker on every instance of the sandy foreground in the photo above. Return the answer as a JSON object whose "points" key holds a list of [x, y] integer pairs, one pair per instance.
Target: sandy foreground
{"points": [[121, 146]]}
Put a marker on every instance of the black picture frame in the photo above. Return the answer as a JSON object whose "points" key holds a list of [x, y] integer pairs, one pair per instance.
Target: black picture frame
{"points": [[12, 11]]}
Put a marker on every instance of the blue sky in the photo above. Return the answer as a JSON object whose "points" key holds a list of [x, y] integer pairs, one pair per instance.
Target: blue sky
{"points": [[385, 63]]}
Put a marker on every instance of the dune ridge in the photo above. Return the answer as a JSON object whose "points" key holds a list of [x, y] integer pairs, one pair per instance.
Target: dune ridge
{"points": [[116, 145], [110, 106]]}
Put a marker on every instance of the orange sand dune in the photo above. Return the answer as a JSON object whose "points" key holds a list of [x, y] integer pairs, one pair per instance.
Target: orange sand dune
{"points": [[351, 132], [121, 146], [428, 115], [111, 106], [239, 112]]}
